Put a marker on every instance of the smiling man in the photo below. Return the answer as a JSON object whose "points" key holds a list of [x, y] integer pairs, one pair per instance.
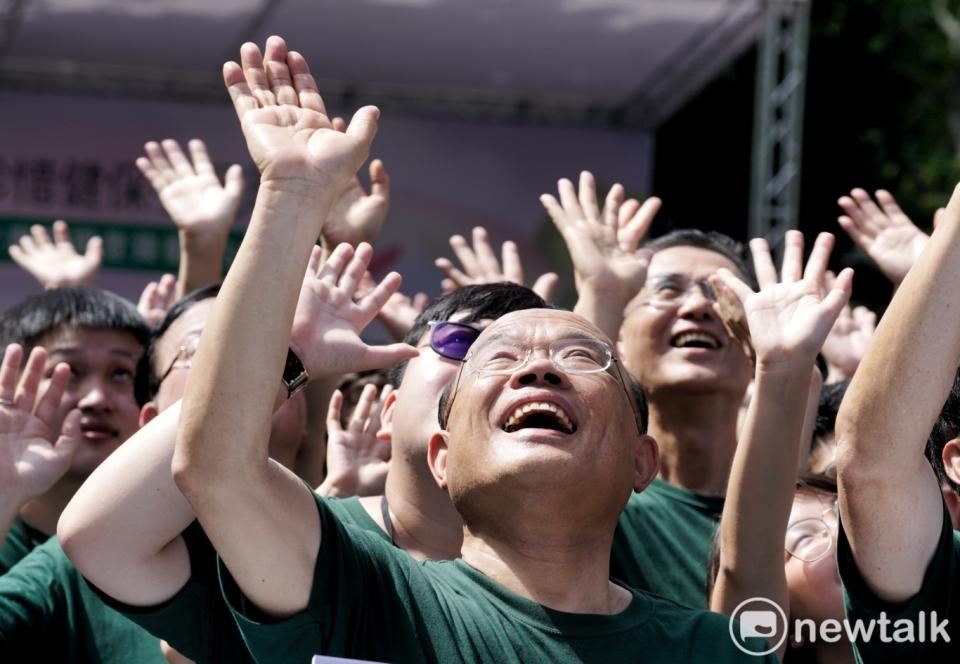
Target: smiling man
{"points": [[695, 376], [539, 503], [101, 336]]}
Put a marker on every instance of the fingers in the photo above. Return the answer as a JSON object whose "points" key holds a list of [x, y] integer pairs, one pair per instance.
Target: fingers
{"points": [[146, 298], [486, 259], [763, 262], [49, 402], [612, 207], [889, 204], [94, 250], [466, 256], [335, 263], [792, 269], [166, 292], [420, 302], [839, 295], [545, 285], [177, 159], [353, 273], [556, 212], [864, 318], [305, 86], [733, 283], [333, 411], [339, 124], [372, 303], [61, 233], [856, 233], [278, 73], [373, 425], [30, 379], [873, 216], [316, 258], [201, 159], [455, 278], [240, 93], [637, 226], [588, 195], [819, 258], [69, 440], [156, 167], [512, 267], [10, 371], [362, 411], [251, 60], [41, 239], [568, 198], [379, 179]]}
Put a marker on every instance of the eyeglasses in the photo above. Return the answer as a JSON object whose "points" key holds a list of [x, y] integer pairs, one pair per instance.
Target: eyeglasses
{"points": [[452, 340], [574, 356], [184, 356], [809, 540], [671, 291]]}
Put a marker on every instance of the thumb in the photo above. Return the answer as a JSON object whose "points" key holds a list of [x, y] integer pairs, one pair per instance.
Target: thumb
{"points": [[69, 440], [94, 251], [233, 181], [363, 127], [380, 357]]}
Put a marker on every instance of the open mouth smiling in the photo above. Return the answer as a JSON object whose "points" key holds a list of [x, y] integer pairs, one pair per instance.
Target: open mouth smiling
{"points": [[539, 415], [695, 339]]}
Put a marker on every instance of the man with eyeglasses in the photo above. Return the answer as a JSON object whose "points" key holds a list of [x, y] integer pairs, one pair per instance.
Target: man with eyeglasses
{"points": [[695, 377]]}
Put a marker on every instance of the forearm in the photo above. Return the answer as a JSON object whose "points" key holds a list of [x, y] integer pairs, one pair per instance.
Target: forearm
{"points": [[917, 349], [312, 455], [201, 260], [760, 491]]}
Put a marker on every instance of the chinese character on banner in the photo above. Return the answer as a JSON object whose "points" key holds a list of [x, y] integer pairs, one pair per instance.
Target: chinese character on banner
{"points": [[43, 182], [128, 188], [82, 182]]}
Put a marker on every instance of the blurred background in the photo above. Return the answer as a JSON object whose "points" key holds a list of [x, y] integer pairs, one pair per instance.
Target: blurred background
{"points": [[747, 116]]}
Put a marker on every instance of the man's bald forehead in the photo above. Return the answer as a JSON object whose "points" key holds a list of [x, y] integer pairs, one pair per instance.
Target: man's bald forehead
{"points": [[534, 317]]}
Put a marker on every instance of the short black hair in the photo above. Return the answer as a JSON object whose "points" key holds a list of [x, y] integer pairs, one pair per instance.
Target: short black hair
{"points": [[946, 428], [27, 322], [148, 379], [714, 241], [479, 302], [830, 398]]}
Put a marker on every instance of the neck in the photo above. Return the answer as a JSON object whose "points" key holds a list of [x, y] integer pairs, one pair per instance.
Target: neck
{"points": [[425, 524], [697, 435], [561, 563], [44, 511]]}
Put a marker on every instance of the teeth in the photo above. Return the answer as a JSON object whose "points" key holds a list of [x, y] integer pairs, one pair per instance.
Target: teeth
{"points": [[539, 406], [689, 337]]}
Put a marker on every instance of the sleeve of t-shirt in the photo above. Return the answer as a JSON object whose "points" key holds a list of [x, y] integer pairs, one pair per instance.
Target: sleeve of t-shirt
{"points": [[30, 594], [190, 620], [359, 603], [938, 592]]}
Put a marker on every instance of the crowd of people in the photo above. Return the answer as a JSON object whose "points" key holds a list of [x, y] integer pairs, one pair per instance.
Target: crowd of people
{"points": [[229, 472]]}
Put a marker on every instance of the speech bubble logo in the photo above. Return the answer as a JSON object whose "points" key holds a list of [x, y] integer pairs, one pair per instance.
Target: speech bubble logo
{"points": [[758, 617]]}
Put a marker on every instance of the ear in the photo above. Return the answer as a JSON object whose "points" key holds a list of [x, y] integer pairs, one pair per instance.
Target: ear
{"points": [[148, 412], [437, 457], [951, 460], [646, 462], [385, 432]]}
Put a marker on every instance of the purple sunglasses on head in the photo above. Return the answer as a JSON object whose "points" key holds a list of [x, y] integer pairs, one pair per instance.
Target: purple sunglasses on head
{"points": [[452, 340]]}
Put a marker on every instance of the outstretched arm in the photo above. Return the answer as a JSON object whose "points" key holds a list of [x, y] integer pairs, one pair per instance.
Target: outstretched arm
{"points": [[890, 500], [202, 209], [220, 462], [603, 246], [788, 323]]}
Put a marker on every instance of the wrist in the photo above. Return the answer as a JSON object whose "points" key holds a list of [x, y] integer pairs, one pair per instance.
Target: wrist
{"points": [[785, 368], [336, 485]]}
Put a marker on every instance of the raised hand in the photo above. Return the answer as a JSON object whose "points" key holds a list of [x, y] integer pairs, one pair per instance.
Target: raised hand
{"points": [[36, 448], [285, 123], [157, 298], [357, 463], [602, 245], [327, 323], [882, 231], [57, 264], [400, 311], [358, 216], [848, 340], [480, 265], [189, 189], [789, 319]]}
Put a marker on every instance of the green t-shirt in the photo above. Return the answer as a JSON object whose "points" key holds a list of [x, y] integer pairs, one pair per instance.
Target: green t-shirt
{"points": [[21, 540], [939, 592], [663, 542], [372, 601], [48, 613], [196, 621]]}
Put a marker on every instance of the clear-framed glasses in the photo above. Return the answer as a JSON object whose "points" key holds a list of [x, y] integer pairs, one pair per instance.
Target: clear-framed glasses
{"points": [[809, 540], [184, 356], [452, 340], [671, 291], [574, 356]]}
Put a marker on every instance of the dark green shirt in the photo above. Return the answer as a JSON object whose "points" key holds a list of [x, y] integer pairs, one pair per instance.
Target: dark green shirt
{"points": [[196, 621], [663, 542], [372, 601], [21, 540], [939, 592], [48, 613]]}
